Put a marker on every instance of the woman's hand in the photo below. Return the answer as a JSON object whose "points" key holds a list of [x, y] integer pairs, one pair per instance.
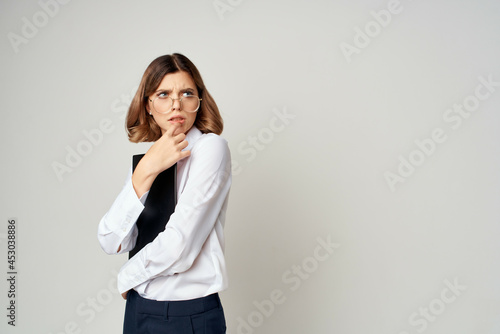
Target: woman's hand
{"points": [[164, 153], [124, 295]]}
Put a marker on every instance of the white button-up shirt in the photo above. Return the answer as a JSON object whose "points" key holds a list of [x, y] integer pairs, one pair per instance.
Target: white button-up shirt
{"points": [[186, 260]]}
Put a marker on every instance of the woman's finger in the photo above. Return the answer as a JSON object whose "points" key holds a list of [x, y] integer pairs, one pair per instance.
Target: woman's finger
{"points": [[182, 145]]}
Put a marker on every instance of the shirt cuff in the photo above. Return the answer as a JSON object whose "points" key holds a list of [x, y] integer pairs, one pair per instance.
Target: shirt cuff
{"points": [[132, 206], [144, 197], [131, 274]]}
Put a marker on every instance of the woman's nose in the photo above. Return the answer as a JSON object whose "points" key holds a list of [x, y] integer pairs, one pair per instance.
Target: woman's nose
{"points": [[176, 104]]}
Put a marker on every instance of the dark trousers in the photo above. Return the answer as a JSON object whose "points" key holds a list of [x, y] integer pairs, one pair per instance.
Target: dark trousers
{"points": [[196, 316]]}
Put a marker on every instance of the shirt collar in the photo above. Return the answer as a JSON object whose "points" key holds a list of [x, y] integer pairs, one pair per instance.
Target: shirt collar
{"points": [[192, 136]]}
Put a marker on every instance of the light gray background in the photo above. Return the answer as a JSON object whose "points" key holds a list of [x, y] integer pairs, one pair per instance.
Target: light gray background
{"points": [[319, 175]]}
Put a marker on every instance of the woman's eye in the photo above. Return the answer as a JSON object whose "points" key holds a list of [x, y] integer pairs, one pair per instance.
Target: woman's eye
{"points": [[162, 95], [188, 94]]}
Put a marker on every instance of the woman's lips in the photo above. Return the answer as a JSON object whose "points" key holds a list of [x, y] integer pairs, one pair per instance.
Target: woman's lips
{"points": [[176, 120]]}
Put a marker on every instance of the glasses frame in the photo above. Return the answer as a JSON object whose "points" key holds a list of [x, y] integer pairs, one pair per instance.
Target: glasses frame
{"points": [[173, 100]]}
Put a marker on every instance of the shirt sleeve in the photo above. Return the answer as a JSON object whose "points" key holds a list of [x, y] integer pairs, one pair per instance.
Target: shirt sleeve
{"points": [[117, 227], [175, 249]]}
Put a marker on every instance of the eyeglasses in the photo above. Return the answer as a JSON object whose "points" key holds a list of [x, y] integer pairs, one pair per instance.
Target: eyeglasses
{"points": [[163, 104]]}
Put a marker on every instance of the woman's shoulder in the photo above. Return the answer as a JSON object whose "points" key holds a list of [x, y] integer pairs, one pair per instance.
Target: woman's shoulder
{"points": [[211, 147]]}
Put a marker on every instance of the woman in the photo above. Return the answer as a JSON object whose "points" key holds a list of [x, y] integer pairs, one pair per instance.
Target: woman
{"points": [[171, 284]]}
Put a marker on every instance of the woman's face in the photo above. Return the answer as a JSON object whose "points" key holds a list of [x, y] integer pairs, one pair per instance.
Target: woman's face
{"points": [[175, 85]]}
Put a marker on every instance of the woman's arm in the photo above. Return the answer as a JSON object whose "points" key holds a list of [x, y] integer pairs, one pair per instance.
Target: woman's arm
{"points": [[198, 208], [117, 231], [163, 154]]}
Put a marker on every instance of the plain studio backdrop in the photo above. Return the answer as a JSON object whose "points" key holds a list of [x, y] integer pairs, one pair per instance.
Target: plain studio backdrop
{"points": [[364, 139]]}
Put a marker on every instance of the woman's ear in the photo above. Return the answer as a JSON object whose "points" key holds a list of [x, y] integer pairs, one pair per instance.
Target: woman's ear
{"points": [[148, 110]]}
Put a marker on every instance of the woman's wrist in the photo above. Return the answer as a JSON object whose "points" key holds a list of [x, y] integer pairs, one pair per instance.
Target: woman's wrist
{"points": [[143, 178]]}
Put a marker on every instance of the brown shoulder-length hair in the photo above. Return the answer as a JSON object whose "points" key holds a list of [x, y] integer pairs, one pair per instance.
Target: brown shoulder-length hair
{"points": [[141, 127]]}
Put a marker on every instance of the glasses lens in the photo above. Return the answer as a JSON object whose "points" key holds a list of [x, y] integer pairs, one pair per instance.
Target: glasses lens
{"points": [[162, 104], [190, 103]]}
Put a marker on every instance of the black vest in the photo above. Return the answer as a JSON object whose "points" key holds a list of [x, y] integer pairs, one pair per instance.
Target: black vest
{"points": [[160, 204]]}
